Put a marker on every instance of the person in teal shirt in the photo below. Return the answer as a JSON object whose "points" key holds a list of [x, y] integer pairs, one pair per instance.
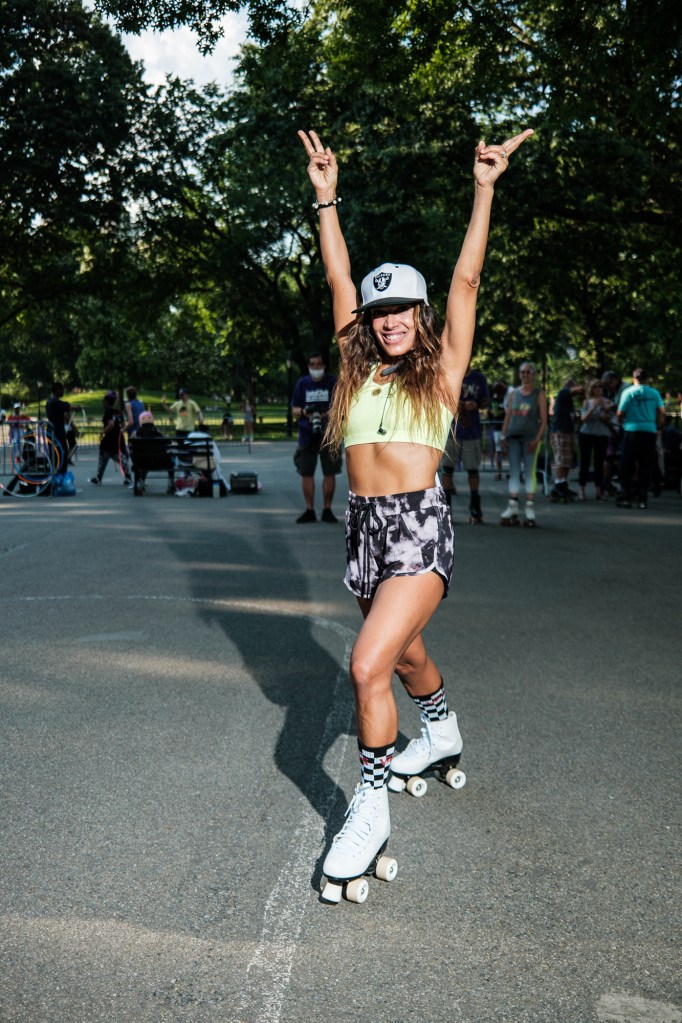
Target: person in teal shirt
{"points": [[641, 413]]}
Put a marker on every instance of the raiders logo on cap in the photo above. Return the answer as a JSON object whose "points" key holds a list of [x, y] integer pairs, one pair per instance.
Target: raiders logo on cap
{"points": [[382, 281]]}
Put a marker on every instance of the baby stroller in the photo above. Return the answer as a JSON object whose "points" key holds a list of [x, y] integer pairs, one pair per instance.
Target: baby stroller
{"points": [[198, 467]]}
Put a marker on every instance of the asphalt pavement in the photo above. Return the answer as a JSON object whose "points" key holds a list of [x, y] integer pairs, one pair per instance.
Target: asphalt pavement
{"points": [[177, 750]]}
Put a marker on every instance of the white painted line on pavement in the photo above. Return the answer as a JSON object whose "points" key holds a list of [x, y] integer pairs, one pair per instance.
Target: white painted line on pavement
{"points": [[269, 972]]}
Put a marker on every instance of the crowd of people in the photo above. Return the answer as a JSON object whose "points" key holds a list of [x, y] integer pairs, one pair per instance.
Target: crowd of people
{"points": [[43, 452], [586, 428], [614, 436]]}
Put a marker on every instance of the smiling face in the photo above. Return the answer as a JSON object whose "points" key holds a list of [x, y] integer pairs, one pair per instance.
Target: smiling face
{"points": [[394, 328]]}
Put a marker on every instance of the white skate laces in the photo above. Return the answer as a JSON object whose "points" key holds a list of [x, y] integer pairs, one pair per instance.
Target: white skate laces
{"points": [[421, 747], [360, 817]]}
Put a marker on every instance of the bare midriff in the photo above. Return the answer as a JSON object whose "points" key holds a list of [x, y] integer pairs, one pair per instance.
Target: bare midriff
{"points": [[375, 470]]}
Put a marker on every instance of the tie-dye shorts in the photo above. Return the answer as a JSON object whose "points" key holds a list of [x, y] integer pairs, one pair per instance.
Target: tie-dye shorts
{"points": [[398, 534]]}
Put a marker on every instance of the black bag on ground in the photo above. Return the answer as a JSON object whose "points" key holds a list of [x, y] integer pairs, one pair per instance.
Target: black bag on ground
{"points": [[244, 482], [204, 487]]}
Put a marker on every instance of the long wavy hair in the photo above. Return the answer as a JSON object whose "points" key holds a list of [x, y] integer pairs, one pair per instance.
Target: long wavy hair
{"points": [[419, 377]]}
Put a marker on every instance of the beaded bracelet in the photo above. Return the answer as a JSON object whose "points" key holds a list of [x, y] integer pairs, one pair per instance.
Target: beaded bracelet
{"points": [[325, 205]]}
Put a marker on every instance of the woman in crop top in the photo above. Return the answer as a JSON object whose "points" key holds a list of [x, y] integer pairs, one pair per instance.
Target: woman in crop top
{"points": [[396, 394]]}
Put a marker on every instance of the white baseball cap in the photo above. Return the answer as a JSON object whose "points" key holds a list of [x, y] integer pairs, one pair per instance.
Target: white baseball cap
{"points": [[392, 284]]}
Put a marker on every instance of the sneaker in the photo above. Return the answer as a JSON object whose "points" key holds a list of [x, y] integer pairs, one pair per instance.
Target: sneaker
{"points": [[97, 482], [642, 504], [365, 833], [623, 502], [439, 739], [329, 516], [307, 516]]}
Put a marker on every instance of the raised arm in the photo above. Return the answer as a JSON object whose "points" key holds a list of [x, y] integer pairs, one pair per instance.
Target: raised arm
{"points": [[460, 315], [323, 172]]}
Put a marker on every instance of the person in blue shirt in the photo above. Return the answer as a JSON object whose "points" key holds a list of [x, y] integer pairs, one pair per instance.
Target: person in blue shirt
{"points": [[134, 409], [641, 413]]}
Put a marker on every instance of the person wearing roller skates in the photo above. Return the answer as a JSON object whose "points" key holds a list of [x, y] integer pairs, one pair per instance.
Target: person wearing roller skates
{"points": [[465, 440], [397, 392], [524, 426]]}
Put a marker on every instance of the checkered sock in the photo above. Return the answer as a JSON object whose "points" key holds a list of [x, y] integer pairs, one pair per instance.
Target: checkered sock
{"points": [[374, 763], [434, 706]]}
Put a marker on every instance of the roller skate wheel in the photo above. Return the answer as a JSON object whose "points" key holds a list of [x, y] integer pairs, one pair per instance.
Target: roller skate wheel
{"points": [[416, 787], [387, 868], [455, 778], [357, 890], [395, 784], [332, 892]]}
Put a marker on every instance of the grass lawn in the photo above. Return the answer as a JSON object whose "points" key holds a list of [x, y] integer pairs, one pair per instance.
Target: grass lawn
{"points": [[271, 420]]}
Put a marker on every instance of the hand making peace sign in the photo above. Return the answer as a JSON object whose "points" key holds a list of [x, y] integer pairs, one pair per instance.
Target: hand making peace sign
{"points": [[323, 169], [490, 162]]}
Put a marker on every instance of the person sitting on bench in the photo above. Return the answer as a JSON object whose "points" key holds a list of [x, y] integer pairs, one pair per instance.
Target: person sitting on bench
{"points": [[144, 453]]}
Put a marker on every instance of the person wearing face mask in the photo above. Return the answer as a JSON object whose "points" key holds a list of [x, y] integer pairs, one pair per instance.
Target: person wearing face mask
{"points": [[399, 387], [310, 404]]}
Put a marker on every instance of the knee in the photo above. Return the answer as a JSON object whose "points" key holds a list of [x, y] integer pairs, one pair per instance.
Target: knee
{"points": [[473, 474], [368, 675]]}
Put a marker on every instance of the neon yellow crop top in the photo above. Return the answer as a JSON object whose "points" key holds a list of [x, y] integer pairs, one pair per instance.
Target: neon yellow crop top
{"points": [[378, 408]]}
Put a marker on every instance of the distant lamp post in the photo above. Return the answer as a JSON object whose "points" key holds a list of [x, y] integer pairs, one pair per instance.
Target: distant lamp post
{"points": [[289, 419], [39, 385]]}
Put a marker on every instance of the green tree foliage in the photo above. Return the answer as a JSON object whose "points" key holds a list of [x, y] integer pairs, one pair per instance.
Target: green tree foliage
{"points": [[197, 203], [69, 96], [603, 182], [585, 236], [266, 17]]}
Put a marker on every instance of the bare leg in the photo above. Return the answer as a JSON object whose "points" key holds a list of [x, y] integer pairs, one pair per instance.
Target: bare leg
{"points": [[328, 488], [308, 484], [391, 637]]}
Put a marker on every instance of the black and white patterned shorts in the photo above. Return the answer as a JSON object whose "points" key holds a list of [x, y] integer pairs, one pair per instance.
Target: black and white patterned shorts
{"points": [[398, 534]]}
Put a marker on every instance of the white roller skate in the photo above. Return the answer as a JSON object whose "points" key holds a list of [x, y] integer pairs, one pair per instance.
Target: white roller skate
{"points": [[437, 750], [530, 515], [510, 515], [358, 848]]}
